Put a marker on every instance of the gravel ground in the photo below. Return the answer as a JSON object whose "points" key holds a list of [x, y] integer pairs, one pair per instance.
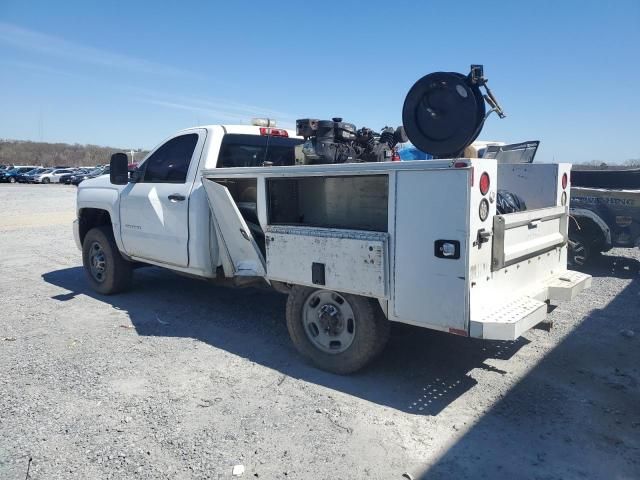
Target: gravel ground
{"points": [[178, 379]]}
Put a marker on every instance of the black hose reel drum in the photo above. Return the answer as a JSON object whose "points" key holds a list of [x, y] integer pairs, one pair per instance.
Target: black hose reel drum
{"points": [[444, 112]]}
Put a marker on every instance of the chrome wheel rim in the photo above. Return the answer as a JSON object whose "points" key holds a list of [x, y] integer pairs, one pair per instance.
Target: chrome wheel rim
{"points": [[329, 321], [97, 262]]}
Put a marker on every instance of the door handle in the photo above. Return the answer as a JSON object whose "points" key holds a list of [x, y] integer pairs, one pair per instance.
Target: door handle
{"points": [[176, 197]]}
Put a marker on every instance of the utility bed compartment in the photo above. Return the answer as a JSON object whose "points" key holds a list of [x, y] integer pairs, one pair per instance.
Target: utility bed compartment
{"points": [[518, 236], [343, 260], [413, 235]]}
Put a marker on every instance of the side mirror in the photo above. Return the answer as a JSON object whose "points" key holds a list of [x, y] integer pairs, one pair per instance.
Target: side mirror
{"points": [[119, 169]]}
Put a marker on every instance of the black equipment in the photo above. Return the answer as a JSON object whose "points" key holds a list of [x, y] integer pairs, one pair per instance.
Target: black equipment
{"points": [[444, 112], [509, 202], [335, 141]]}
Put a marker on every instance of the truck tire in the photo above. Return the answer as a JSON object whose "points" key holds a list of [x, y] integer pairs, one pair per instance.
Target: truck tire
{"points": [[579, 251], [105, 268], [337, 332]]}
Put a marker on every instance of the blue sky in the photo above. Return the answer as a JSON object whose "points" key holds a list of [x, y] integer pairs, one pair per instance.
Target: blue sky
{"points": [[128, 74]]}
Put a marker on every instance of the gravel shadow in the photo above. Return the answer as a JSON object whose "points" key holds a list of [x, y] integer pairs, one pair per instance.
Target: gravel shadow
{"points": [[420, 372], [574, 415]]}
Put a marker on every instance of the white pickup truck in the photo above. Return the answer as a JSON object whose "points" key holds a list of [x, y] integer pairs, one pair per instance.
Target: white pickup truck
{"points": [[355, 245]]}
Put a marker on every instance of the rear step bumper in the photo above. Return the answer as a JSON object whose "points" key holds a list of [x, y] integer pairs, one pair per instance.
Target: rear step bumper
{"points": [[510, 320]]}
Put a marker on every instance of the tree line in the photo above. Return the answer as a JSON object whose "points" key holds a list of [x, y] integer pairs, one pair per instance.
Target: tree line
{"points": [[20, 152]]}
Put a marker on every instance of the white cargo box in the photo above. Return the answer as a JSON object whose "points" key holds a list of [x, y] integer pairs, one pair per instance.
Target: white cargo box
{"points": [[410, 234]]}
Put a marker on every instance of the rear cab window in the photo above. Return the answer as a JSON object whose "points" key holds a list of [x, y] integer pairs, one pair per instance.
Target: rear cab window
{"points": [[242, 150]]}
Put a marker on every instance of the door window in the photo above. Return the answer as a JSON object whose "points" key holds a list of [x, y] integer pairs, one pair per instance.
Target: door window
{"points": [[170, 162]]}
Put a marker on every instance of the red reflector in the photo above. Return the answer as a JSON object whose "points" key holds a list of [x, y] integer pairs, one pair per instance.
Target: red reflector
{"points": [[457, 331], [564, 181], [274, 132], [484, 183]]}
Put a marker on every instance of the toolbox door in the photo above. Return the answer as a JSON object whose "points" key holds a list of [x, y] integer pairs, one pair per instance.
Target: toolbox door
{"points": [[522, 235], [240, 252]]}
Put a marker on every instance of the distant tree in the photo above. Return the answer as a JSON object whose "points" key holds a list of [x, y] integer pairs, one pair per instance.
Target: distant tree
{"points": [[595, 163], [18, 152], [632, 162]]}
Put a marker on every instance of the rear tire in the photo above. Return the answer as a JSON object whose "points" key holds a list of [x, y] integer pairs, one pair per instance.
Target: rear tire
{"points": [[337, 332], [12, 180], [579, 252], [106, 270], [46, 180]]}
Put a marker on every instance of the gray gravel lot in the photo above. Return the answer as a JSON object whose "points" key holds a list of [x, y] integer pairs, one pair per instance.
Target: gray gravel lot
{"points": [[179, 379]]}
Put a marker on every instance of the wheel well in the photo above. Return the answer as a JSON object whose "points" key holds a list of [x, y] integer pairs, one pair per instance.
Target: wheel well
{"points": [[589, 229], [91, 218]]}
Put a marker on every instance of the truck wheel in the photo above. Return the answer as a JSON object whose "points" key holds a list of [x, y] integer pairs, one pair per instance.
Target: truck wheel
{"points": [[579, 251], [106, 270], [337, 332]]}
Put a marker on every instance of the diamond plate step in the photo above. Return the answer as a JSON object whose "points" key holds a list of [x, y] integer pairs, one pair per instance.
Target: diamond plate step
{"points": [[510, 320], [567, 285]]}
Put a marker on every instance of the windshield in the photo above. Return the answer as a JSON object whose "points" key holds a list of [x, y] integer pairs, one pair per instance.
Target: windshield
{"points": [[95, 171], [253, 150]]}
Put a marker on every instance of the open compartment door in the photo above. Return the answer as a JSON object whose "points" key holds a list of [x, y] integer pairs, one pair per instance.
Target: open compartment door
{"points": [[241, 255]]}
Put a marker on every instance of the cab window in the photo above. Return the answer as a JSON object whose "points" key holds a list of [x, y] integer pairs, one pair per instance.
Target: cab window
{"points": [[170, 162], [239, 150]]}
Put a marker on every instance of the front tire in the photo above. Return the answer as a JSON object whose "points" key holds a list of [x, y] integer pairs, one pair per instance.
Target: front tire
{"points": [[46, 180], [12, 180], [337, 332], [106, 270]]}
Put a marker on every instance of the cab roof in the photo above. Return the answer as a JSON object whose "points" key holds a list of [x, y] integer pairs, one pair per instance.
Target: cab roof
{"points": [[244, 129]]}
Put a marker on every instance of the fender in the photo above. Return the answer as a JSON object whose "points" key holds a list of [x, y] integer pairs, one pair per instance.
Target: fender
{"points": [[583, 212], [99, 194]]}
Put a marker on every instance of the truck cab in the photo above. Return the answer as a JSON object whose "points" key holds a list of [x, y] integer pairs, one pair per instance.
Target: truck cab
{"points": [[162, 216]]}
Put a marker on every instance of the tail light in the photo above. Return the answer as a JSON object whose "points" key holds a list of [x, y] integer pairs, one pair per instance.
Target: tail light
{"points": [[483, 211], [564, 181], [395, 157], [274, 132], [485, 183]]}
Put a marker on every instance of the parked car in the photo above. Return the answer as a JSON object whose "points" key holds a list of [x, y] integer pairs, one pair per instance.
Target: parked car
{"points": [[26, 177], [52, 176], [40, 171], [92, 174], [66, 179], [11, 176]]}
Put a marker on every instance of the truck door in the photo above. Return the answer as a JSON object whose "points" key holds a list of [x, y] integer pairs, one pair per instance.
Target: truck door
{"points": [[241, 255], [154, 211]]}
